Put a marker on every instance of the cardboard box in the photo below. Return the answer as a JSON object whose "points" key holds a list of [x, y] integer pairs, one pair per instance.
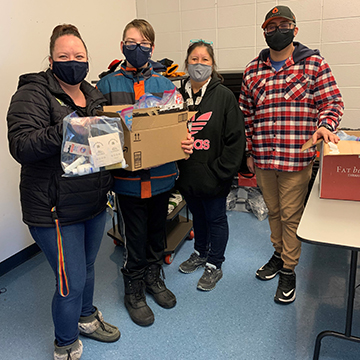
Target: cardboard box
{"points": [[155, 138], [339, 170]]}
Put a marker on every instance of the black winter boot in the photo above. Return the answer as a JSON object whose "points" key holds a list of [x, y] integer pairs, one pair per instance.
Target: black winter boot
{"points": [[155, 286], [135, 302]]}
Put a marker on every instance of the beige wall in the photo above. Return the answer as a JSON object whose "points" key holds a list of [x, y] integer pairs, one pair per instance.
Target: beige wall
{"points": [[233, 25], [25, 29], [332, 26]]}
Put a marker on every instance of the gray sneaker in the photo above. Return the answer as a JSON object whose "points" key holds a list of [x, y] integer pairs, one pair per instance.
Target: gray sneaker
{"points": [[210, 277], [72, 351], [192, 263], [96, 328]]}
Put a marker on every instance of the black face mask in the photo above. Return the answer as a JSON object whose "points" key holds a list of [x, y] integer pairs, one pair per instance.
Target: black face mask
{"points": [[137, 57], [279, 41], [71, 72]]}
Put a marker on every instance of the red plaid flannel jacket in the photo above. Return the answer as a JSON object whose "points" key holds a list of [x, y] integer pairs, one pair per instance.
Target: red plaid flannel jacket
{"points": [[283, 109]]}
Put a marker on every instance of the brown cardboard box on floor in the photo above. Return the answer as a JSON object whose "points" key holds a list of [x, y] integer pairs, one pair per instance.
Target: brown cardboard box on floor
{"points": [[339, 169], [154, 139]]}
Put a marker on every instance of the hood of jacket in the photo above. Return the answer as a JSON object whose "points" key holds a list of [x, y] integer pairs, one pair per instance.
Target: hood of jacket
{"points": [[136, 74], [300, 52], [214, 82]]}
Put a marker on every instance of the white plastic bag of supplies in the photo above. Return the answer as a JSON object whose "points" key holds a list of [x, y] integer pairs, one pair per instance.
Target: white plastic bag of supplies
{"points": [[90, 144]]}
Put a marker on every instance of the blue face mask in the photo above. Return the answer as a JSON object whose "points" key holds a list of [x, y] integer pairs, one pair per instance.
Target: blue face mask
{"points": [[70, 72], [137, 57]]}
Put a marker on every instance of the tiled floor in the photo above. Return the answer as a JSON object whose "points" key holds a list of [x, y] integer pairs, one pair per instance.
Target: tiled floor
{"points": [[237, 320]]}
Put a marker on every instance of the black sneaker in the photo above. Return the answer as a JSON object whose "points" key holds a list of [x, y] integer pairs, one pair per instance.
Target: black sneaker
{"points": [[156, 287], [209, 278], [271, 268], [135, 303], [192, 263], [286, 291]]}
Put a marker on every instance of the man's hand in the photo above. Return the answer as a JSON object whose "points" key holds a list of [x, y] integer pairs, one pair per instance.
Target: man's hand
{"points": [[250, 164], [326, 134]]}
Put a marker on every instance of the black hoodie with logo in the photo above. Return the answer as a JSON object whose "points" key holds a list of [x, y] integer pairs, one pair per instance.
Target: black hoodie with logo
{"points": [[218, 131], [35, 123]]}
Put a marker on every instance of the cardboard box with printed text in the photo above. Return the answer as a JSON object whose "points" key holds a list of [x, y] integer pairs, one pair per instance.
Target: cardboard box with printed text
{"points": [[339, 169], [154, 139]]}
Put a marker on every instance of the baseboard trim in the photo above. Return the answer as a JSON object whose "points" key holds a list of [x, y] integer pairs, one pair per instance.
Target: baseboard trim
{"points": [[19, 258]]}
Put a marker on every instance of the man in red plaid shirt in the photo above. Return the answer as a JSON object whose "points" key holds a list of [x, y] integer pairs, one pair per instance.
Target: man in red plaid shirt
{"points": [[288, 95]]}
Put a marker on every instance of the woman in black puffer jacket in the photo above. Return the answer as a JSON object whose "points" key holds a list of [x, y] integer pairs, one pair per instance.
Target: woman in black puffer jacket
{"points": [[48, 200]]}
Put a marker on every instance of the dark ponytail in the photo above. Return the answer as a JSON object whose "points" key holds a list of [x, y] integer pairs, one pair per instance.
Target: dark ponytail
{"points": [[61, 30]]}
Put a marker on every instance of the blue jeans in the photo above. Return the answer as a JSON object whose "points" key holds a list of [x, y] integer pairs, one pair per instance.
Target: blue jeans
{"points": [[210, 227], [81, 243]]}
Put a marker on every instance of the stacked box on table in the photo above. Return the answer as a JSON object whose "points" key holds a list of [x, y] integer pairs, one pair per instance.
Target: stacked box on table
{"points": [[339, 169]]}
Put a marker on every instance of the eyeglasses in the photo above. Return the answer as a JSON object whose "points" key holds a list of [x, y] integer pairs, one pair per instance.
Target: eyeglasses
{"points": [[193, 41], [283, 28], [131, 45]]}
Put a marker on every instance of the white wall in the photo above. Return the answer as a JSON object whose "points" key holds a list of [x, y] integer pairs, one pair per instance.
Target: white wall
{"points": [[234, 26], [25, 30]]}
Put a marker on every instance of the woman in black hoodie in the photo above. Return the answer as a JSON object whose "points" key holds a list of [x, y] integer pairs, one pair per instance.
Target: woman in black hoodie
{"points": [[48, 200], [205, 178]]}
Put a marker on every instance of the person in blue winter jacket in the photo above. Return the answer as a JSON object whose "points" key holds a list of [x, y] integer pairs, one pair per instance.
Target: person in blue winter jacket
{"points": [[142, 195]]}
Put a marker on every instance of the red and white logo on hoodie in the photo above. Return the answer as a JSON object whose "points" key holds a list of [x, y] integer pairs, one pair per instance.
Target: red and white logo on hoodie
{"points": [[199, 123], [196, 126]]}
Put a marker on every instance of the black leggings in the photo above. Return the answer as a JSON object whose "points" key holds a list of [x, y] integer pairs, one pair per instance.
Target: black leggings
{"points": [[145, 232]]}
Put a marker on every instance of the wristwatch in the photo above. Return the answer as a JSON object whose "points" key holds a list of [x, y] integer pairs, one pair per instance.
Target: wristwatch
{"points": [[327, 126], [248, 154]]}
